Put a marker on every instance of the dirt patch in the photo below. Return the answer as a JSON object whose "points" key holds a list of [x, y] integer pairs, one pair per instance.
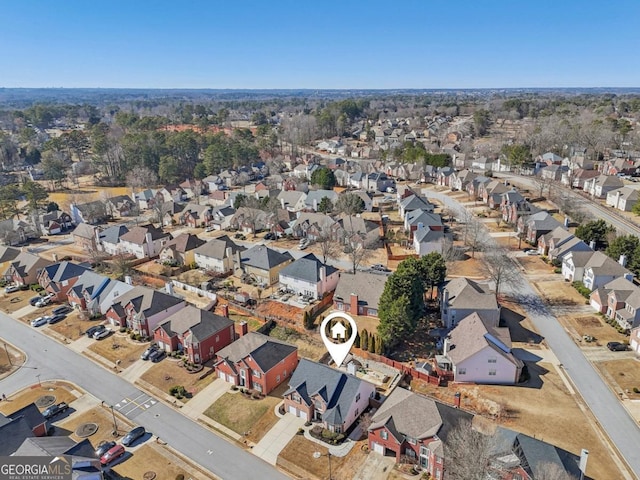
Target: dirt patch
{"points": [[542, 408], [63, 251], [280, 311], [61, 390], [73, 325], [594, 326], [309, 346], [241, 413], [559, 293], [118, 348], [169, 373], [10, 302], [152, 267], [252, 322], [149, 458], [625, 373], [300, 452], [101, 417], [533, 265], [469, 267], [10, 358], [520, 327]]}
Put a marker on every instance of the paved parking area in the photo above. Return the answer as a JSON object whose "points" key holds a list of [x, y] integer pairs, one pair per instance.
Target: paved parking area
{"points": [[274, 441]]}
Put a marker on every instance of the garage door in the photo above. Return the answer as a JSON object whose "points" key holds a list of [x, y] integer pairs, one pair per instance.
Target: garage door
{"points": [[378, 448], [222, 375], [298, 413], [634, 345]]}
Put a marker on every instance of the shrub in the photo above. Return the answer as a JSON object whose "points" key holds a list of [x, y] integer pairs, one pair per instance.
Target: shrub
{"points": [[301, 431], [557, 270], [178, 391], [132, 336], [123, 329], [582, 290], [636, 390], [180, 477], [234, 387]]}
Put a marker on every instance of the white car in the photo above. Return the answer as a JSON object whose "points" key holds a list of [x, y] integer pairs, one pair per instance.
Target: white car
{"points": [[100, 334], [44, 301], [11, 289], [38, 322]]}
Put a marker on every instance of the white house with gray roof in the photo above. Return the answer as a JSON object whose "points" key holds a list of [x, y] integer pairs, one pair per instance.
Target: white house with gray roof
{"points": [[109, 239], [321, 393], [292, 200], [314, 197], [217, 255], [461, 297], [309, 276]]}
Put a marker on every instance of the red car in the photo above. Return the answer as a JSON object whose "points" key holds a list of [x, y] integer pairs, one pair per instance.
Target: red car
{"points": [[112, 454]]}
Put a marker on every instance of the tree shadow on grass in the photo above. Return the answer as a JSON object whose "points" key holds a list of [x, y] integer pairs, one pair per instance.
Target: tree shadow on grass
{"points": [[513, 320]]}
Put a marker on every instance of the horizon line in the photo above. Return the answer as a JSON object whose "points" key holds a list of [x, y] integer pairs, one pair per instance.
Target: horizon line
{"points": [[324, 89]]}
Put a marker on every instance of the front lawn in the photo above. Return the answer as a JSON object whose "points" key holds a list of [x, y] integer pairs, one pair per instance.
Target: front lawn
{"points": [[168, 373], [243, 414], [116, 347]]}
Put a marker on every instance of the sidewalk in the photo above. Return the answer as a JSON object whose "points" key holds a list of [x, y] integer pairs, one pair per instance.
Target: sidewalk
{"points": [[136, 370], [204, 398]]}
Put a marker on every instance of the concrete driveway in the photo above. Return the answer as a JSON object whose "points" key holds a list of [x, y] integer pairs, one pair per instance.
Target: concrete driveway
{"points": [[277, 438], [375, 467]]}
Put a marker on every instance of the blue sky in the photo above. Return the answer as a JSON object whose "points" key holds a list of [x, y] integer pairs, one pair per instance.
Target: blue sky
{"points": [[320, 44]]}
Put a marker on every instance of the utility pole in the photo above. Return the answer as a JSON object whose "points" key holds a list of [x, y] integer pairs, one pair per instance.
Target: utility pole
{"points": [[8, 356], [115, 424]]}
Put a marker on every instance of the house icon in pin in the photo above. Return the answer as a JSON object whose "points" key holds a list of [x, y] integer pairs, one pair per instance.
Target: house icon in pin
{"points": [[338, 330]]}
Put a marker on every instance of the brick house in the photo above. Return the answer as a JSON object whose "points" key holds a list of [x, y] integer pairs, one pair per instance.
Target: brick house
{"points": [[257, 362], [85, 236], [95, 293], [28, 419], [195, 215], [321, 393], [531, 227], [199, 334], [359, 294], [25, 268], [410, 425], [58, 278], [142, 309]]}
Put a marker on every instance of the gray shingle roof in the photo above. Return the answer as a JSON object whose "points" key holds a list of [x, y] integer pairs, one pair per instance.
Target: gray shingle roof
{"points": [[112, 234], [147, 300], [217, 248], [465, 293], [307, 268], [59, 272], [201, 323], [266, 351], [367, 286], [337, 389], [264, 258], [8, 253]]}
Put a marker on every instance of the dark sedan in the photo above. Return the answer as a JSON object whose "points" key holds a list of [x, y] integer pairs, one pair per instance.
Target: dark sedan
{"points": [[55, 319], [133, 435], [617, 346], [104, 447]]}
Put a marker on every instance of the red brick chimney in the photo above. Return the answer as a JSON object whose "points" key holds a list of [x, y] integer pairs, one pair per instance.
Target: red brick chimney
{"points": [[353, 308], [242, 329], [456, 400], [225, 310]]}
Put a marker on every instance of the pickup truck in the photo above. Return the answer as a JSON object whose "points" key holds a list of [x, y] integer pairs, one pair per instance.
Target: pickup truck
{"points": [[54, 410]]}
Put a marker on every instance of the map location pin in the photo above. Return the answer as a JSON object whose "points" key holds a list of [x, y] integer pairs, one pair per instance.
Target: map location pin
{"points": [[337, 344]]}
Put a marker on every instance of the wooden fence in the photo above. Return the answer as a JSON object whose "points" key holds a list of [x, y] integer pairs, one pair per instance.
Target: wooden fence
{"points": [[192, 289], [402, 367]]}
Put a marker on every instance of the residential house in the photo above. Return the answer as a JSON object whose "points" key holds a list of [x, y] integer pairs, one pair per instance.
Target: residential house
{"points": [[263, 264], [217, 255], [379, 182], [311, 225], [323, 394], [221, 217], [14, 232], [482, 164], [257, 362], [553, 172], [90, 212], [96, 293], [194, 215], [531, 227], [309, 276], [120, 206], [619, 299], [619, 166], [212, 182], [181, 249], [623, 198], [601, 269], [459, 180], [600, 186], [492, 192], [314, 197], [145, 199], [577, 178], [443, 176], [144, 241], [460, 297], [172, 192], [292, 200], [427, 240], [32, 418], [512, 212], [53, 223], [25, 268], [548, 159], [85, 236], [352, 231], [358, 180], [58, 278], [366, 199], [414, 202], [420, 219], [109, 239], [170, 212], [251, 220], [142, 309], [558, 242], [7, 255], [507, 200], [416, 427], [474, 187], [480, 352], [359, 293], [305, 170], [198, 334]]}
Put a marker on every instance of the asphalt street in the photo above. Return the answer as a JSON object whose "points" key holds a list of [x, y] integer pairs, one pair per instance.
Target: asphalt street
{"points": [[49, 360], [609, 412]]}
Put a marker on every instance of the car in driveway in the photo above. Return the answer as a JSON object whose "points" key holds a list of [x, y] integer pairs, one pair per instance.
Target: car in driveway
{"points": [[156, 355], [100, 334], [145, 355], [34, 300], [617, 346], [44, 301], [11, 289], [54, 410], [91, 331], [55, 319], [378, 267], [133, 435], [38, 322], [104, 447], [112, 454], [61, 310]]}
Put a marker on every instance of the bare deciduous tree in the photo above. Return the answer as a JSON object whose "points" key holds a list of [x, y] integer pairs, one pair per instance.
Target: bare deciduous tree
{"points": [[329, 248], [141, 178], [501, 269], [467, 452], [357, 252], [552, 471], [475, 235]]}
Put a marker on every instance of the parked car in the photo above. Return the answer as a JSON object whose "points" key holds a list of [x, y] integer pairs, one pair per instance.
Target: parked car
{"points": [[270, 236], [61, 310], [11, 289], [617, 346], [380, 268], [156, 355], [38, 322], [54, 410], [533, 252], [148, 351], [55, 319], [209, 229], [104, 447], [133, 435], [44, 301], [92, 330], [100, 334], [113, 453], [239, 236], [34, 300]]}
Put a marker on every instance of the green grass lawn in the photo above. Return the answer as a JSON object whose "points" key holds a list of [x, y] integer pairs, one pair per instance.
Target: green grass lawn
{"points": [[239, 413]]}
